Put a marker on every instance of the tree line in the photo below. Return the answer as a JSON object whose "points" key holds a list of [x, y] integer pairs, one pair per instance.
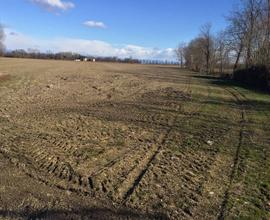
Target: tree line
{"points": [[36, 54], [243, 47]]}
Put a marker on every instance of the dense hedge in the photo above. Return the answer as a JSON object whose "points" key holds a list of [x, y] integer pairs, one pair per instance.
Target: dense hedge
{"points": [[256, 76]]}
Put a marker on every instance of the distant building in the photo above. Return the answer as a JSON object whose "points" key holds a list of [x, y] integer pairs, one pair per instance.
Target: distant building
{"points": [[77, 60]]}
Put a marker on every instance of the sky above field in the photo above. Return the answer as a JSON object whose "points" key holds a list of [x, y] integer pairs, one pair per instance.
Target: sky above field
{"points": [[145, 29]]}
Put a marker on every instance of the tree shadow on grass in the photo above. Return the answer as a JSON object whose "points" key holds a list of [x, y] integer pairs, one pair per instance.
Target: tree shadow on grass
{"points": [[91, 213], [221, 81], [252, 104], [207, 77]]}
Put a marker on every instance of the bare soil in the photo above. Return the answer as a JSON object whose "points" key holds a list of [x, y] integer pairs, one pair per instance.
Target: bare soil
{"points": [[123, 141]]}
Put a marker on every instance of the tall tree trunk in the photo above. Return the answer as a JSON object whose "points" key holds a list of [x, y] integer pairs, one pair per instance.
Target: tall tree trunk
{"points": [[238, 57], [207, 61], [221, 62], [268, 34], [250, 34], [248, 58], [268, 21]]}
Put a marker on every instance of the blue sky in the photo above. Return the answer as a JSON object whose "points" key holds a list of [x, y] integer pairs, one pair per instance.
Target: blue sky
{"points": [[138, 28]]}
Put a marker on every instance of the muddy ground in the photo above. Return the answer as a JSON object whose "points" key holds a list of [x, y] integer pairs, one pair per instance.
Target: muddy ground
{"points": [[121, 141]]}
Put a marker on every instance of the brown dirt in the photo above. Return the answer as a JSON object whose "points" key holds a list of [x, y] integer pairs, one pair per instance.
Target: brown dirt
{"points": [[116, 141]]}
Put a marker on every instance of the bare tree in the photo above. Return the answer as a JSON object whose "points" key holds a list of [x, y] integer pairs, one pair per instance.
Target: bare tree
{"points": [[2, 36], [247, 28], [268, 32], [263, 34], [245, 41], [268, 21], [236, 32], [207, 45], [180, 53], [251, 15], [221, 50], [194, 56]]}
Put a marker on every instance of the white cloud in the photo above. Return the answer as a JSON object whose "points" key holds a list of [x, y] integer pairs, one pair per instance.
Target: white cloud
{"points": [[94, 24], [86, 47], [54, 4]]}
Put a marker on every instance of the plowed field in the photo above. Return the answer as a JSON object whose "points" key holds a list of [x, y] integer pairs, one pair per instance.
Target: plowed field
{"points": [[83, 140]]}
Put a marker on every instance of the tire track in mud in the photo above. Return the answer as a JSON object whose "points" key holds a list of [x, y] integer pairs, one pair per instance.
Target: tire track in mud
{"points": [[54, 171], [136, 173], [136, 181], [43, 166], [130, 186], [132, 178], [131, 183], [32, 153], [40, 164], [236, 162], [193, 166], [44, 163], [141, 157]]}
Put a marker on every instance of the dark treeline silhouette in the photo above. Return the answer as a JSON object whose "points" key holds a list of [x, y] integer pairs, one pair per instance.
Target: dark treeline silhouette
{"points": [[35, 54], [20, 53]]}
